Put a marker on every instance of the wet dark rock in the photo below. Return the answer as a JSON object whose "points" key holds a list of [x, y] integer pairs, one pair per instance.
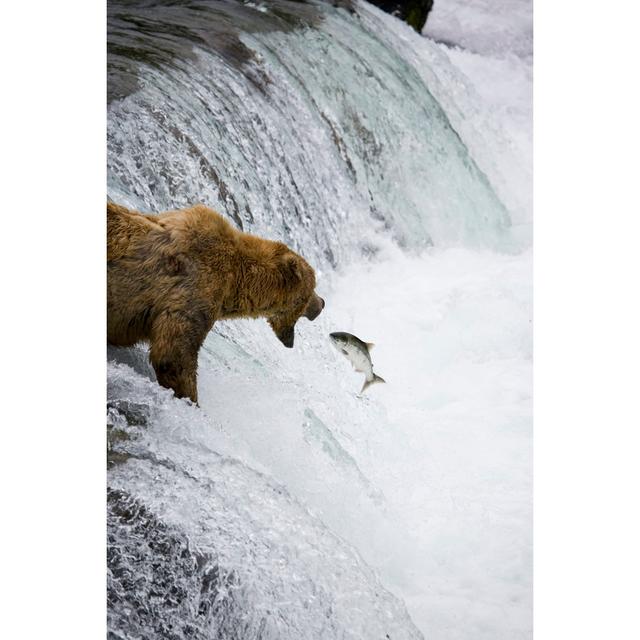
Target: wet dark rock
{"points": [[158, 586], [413, 12]]}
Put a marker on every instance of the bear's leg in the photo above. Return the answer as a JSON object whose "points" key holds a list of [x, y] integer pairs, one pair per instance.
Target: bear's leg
{"points": [[175, 342]]}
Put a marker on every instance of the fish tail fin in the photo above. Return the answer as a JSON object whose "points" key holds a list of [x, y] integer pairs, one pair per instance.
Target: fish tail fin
{"points": [[368, 383]]}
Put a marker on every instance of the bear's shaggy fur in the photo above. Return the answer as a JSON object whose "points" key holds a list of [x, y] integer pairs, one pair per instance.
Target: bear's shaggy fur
{"points": [[171, 276]]}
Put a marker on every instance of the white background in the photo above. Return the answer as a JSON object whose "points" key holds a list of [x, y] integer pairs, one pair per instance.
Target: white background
{"points": [[587, 562]]}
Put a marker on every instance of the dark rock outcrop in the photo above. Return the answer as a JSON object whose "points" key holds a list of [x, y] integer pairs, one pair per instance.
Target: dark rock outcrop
{"points": [[413, 12], [159, 586]]}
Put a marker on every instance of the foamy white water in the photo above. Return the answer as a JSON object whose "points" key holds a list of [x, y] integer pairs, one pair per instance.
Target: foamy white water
{"points": [[429, 475]]}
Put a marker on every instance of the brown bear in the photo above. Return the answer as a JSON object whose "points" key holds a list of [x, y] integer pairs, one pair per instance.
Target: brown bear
{"points": [[171, 276]]}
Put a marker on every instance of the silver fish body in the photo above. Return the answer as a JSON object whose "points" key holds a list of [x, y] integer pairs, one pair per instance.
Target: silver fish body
{"points": [[358, 353]]}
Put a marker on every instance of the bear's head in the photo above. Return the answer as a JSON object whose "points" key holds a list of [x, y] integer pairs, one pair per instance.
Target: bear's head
{"points": [[298, 296]]}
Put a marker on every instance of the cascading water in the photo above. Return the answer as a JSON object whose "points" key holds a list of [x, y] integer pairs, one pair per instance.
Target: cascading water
{"points": [[286, 505]]}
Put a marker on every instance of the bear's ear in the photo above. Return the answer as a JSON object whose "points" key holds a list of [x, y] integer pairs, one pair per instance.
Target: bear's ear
{"points": [[291, 270]]}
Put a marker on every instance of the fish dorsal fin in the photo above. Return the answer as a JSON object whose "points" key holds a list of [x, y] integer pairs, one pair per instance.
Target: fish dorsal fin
{"points": [[370, 345]]}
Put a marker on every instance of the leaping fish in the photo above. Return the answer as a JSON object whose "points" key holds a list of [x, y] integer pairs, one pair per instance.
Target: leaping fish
{"points": [[357, 352]]}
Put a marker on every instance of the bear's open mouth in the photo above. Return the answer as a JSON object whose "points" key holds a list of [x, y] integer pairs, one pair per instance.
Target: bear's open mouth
{"points": [[287, 337]]}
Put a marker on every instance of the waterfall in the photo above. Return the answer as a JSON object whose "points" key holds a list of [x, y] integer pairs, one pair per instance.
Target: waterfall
{"points": [[274, 509]]}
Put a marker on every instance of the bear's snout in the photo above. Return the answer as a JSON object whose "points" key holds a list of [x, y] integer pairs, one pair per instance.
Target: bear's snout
{"points": [[315, 306]]}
